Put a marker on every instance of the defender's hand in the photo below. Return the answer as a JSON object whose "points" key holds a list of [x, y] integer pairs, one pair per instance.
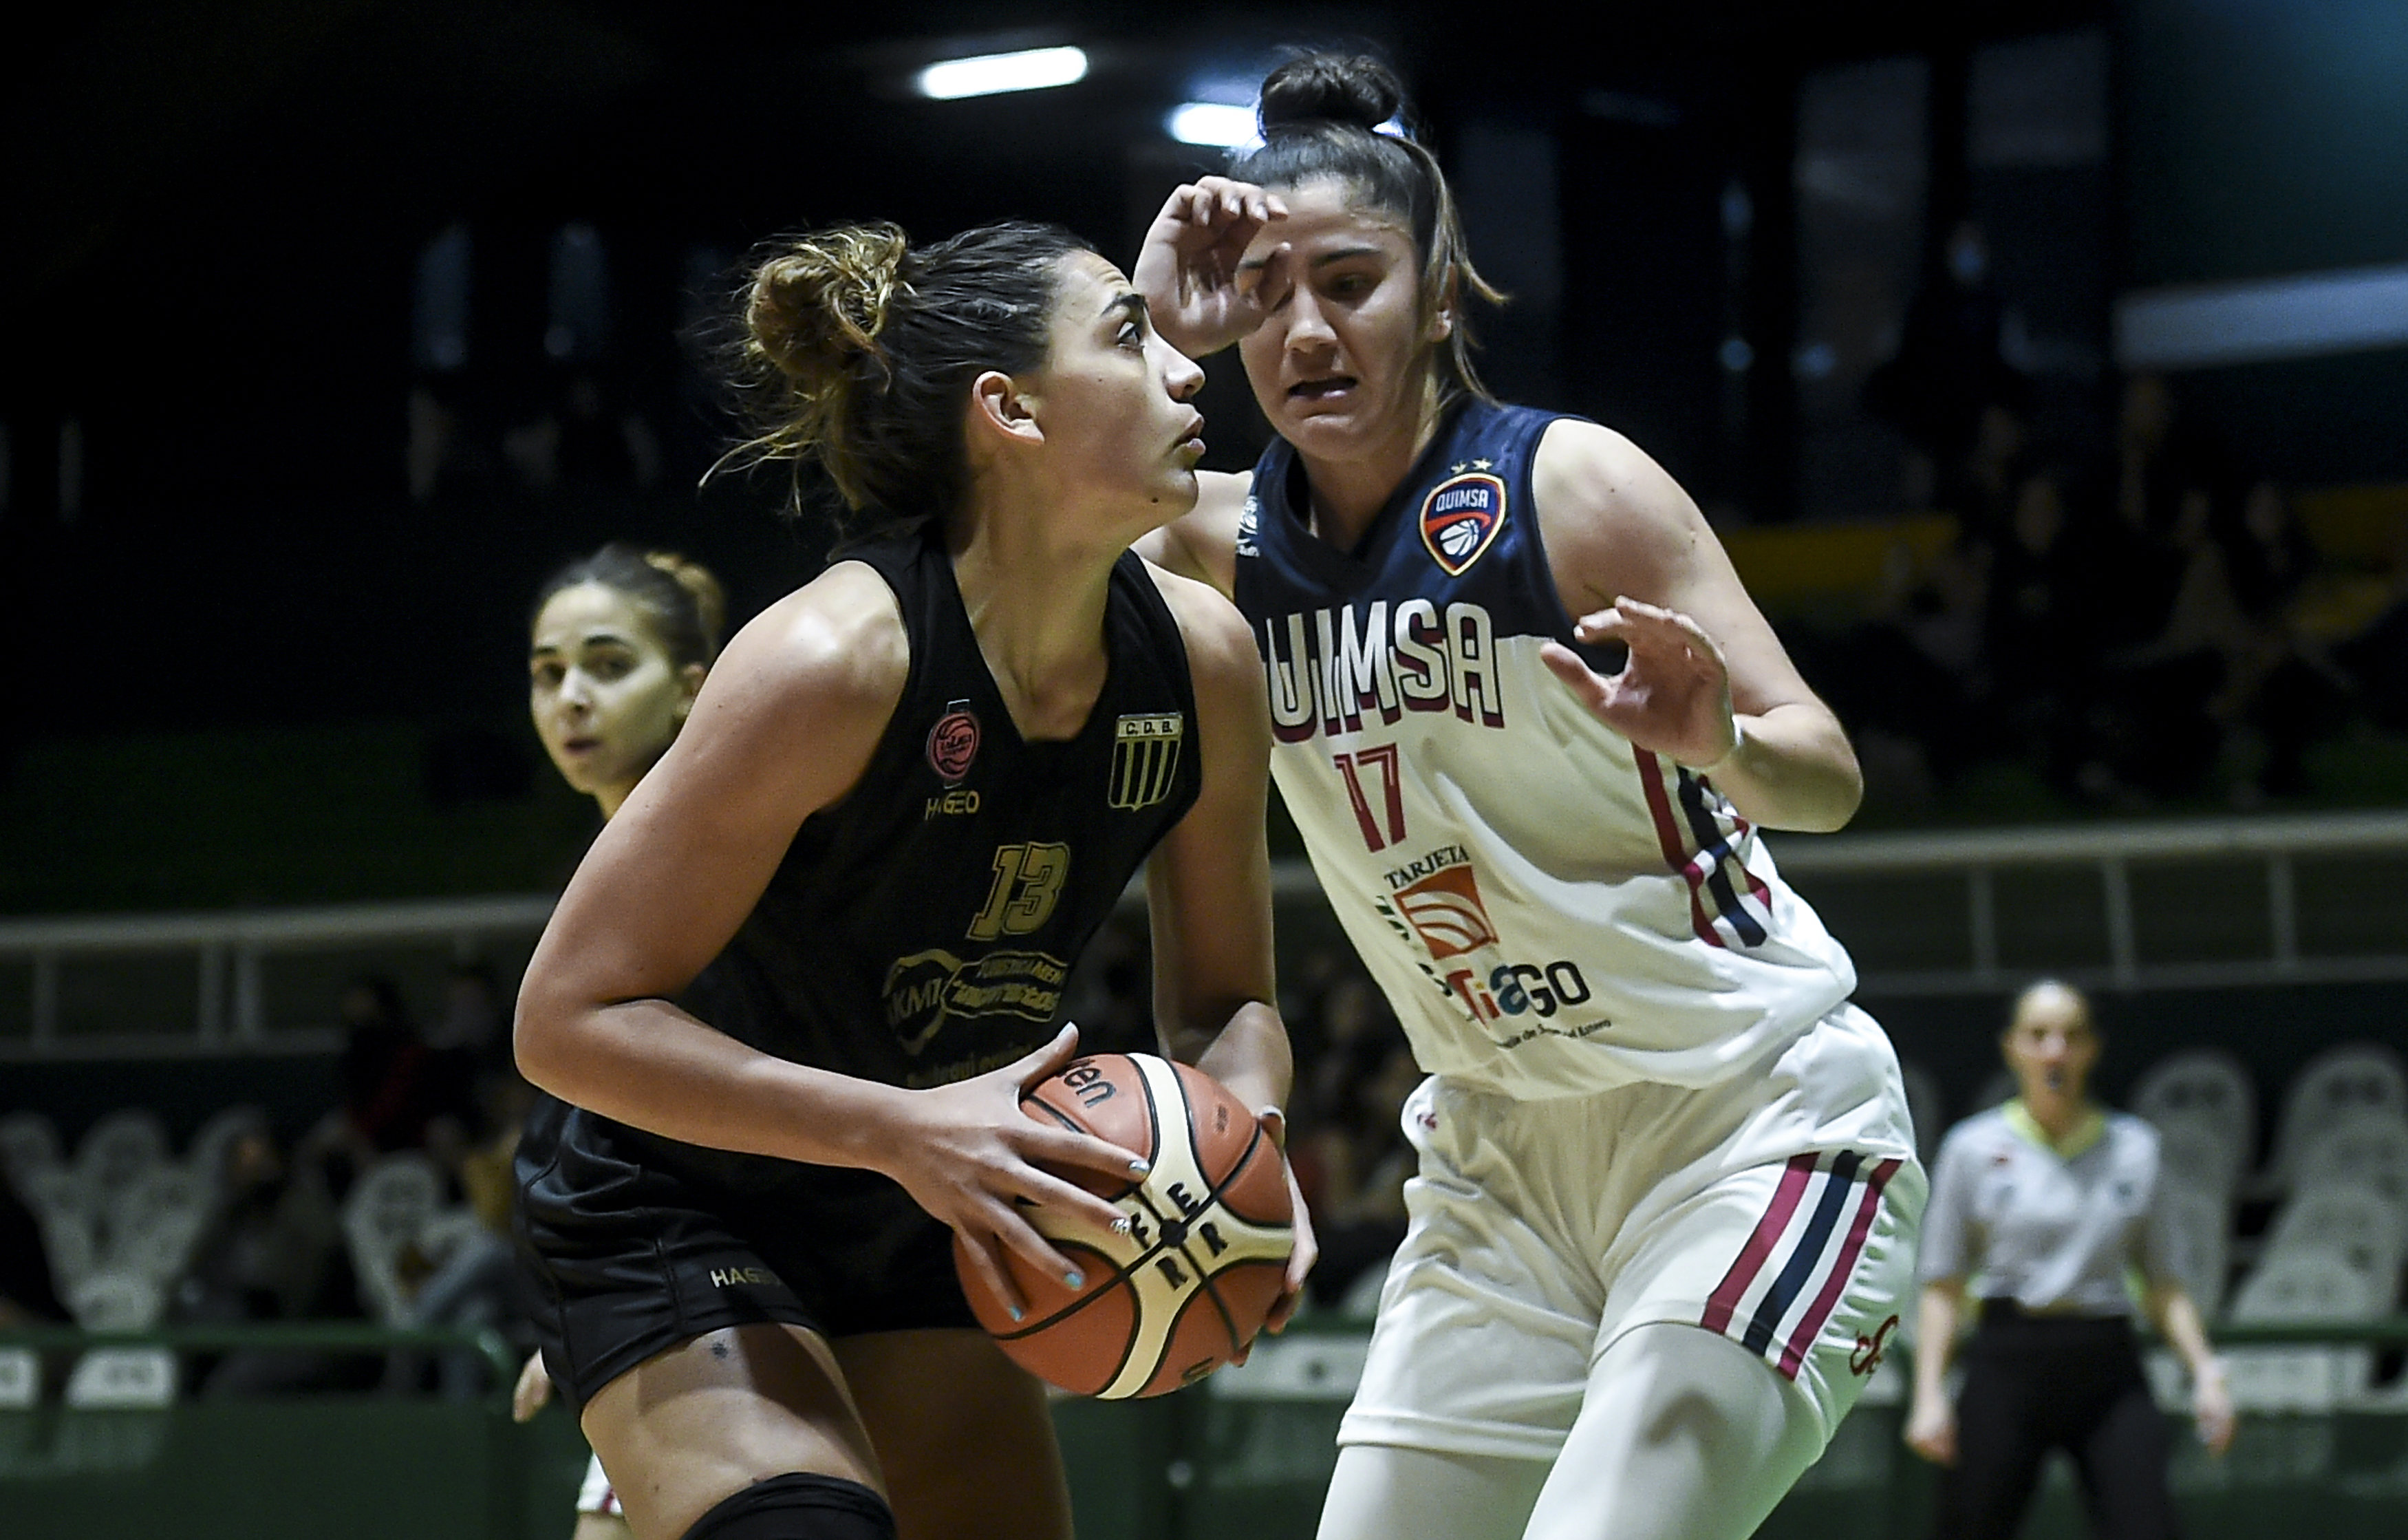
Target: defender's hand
{"points": [[1672, 696], [1187, 269]]}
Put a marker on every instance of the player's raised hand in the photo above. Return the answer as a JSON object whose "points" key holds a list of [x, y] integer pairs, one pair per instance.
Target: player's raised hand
{"points": [[971, 1158], [1672, 696], [1187, 269]]}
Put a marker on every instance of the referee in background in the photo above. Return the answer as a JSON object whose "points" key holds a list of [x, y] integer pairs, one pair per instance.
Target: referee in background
{"points": [[2050, 1204]]}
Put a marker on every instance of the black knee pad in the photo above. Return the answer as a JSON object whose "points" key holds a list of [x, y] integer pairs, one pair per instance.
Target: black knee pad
{"points": [[798, 1506]]}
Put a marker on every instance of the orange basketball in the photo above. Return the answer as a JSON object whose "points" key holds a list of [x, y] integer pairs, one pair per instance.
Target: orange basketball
{"points": [[1210, 1229]]}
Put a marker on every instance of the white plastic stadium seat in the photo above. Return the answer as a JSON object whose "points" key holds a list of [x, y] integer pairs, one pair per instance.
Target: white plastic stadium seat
{"points": [[116, 1300], [155, 1223], [122, 1378], [21, 1378], [2369, 1151], [2340, 1084], [28, 1141], [120, 1147], [2202, 1088], [2359, 1222], [68, 1211], [2205, 1219], [2194, 1154], [382, 1215], [2301, 1284]]}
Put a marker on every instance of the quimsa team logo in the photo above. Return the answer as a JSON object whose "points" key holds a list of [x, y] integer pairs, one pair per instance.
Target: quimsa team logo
{"points": [[1460, 519], [1444, 909], [954, 743]]}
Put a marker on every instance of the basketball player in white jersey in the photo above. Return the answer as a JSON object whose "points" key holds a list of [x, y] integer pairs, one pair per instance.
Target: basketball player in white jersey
{"points": [[1664, 1217]]}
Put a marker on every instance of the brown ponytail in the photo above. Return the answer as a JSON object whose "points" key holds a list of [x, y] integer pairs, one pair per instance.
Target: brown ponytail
{"points": [[858, 350]]}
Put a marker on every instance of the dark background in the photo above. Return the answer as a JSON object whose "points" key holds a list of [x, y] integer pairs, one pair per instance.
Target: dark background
{"points": [[228, 608]]}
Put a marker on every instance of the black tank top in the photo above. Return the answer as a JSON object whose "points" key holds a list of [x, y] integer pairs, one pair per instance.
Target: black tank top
{"points": [[921, 930]]}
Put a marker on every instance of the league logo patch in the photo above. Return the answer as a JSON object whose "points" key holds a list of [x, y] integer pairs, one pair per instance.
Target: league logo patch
{"points": [[1460, 519], [954, 743], [1444, 909]]}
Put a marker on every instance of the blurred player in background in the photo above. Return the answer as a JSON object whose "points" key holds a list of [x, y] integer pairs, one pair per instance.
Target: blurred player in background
{"points": [[2054, 1203], [789, 1001], [1666, 1188], [618, 648]]}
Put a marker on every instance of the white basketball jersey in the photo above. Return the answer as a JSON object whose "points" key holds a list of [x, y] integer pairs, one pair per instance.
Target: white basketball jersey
{"points": [[1550, 910]]}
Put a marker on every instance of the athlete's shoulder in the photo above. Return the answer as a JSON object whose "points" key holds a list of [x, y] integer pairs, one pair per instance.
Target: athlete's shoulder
{"points": [[1216, 636], [839, 640], [2133, 1132], [1615, 521], [1588, 466]]}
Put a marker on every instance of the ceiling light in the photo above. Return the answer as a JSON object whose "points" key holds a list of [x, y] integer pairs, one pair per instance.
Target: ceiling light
{"points": [[1212, 123], [986, 74]]}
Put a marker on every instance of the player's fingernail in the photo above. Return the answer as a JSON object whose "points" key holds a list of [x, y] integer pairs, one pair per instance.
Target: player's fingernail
{"points": [[1075, 1278], [1121, 1226], [1140, 1168], [1017, 1312]]}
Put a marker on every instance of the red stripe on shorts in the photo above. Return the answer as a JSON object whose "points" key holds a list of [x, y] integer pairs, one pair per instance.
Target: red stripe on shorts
{"points": [[1667, 838], [1759, 1246], [1812, 1326]]}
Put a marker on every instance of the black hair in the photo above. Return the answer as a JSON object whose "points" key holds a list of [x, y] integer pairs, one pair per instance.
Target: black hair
{"points": [[1322, 117], [682, 601]]}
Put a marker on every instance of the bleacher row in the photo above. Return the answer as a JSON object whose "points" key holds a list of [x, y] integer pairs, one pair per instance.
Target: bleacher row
{"points": [[121, 1222], [2317, 1232]]}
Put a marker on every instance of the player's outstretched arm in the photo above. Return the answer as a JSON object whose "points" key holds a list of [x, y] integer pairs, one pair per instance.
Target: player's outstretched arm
{"points": [[1208, 894], [1188, 268], [784, 727], [1707, 683]]}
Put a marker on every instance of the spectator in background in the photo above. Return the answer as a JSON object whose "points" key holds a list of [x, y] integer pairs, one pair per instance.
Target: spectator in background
{"points": [[1950, 388], [274, 1253], [2039, 627], [2052, 1202], [2280, 683], [475, 1286]]}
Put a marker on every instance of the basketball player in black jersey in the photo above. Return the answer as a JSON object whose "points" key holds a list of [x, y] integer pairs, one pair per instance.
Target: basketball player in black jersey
{"points": [[618, 647], [789, 1001]]}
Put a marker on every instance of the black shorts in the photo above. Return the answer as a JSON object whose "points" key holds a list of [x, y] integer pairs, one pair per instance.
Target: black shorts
{"points": [[635, 1244]]}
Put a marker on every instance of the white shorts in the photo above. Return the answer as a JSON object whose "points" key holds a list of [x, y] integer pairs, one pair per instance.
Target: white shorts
{"points": [[1777, 1207], [595, 1495]]}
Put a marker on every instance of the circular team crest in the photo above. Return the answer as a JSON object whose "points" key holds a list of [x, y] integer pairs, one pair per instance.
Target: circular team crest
{"points": [[1460, 519], [954, 743]]}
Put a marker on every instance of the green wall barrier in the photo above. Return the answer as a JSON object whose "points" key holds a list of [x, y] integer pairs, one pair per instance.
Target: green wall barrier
{"points": [[1205, 1463]]}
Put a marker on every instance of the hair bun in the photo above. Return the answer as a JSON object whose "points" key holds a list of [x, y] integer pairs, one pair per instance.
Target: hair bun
{"points": [[821, 300], [709, 598], [1353, 89]]}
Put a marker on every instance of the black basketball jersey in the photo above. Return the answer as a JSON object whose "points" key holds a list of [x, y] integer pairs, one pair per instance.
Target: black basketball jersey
{"points": [[921, 930]]}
